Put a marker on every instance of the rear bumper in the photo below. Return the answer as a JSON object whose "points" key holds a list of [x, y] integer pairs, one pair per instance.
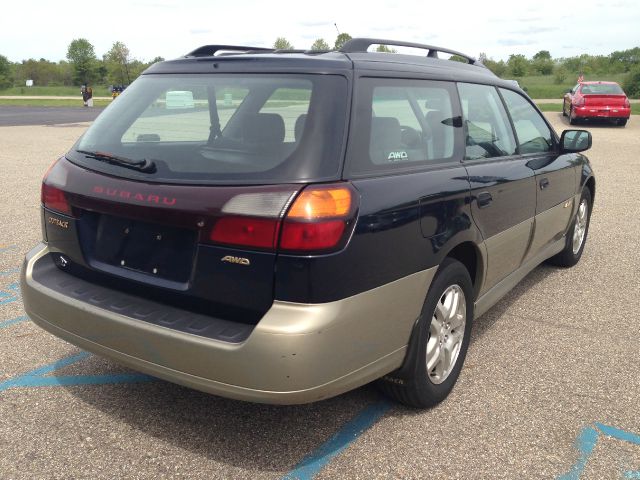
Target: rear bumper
{"points": [[297, 353], [602, 112]]}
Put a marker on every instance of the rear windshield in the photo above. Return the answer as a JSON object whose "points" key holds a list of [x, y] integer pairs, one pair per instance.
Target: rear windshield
{"points": [[602, 89], [232, 128]]}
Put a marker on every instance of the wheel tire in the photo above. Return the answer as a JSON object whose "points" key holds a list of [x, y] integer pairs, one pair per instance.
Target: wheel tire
{"points": [[577, 234], [413, 385], [622, 122], [572, 119]]}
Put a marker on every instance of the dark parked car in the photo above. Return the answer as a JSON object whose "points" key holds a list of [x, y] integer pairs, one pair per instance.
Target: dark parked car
{"points": [[596, 101], [282, 227]]}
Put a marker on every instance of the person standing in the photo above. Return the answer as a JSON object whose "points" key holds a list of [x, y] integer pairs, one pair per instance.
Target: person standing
{"points": [[89, 97], [83, 91]]}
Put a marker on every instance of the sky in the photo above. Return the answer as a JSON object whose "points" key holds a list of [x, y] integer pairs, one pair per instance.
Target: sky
{"points": [[172, 28]]}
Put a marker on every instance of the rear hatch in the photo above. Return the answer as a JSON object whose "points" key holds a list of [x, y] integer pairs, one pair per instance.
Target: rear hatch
{"points": [[179, 189]]}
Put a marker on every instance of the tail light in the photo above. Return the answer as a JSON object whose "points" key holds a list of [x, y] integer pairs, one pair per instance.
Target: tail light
{"points": [[580, 102], [318, 220], [627, 104], [52, 197]]}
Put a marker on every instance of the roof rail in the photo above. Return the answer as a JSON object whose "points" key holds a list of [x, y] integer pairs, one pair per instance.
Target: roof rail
{"points": [[210, 50], [360, 45]]}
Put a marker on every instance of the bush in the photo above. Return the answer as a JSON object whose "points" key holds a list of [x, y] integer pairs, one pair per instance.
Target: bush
{"points": [[631, 84], [561, 76]]}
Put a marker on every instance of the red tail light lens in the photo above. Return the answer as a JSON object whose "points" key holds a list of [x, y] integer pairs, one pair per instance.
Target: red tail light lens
{"points": [[54, 199], [627, 104], [580, 102], [318, 218], [246, 231], [311, 236]]}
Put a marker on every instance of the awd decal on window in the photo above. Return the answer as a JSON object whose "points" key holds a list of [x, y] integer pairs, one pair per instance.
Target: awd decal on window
{"points": [[398, 156]]}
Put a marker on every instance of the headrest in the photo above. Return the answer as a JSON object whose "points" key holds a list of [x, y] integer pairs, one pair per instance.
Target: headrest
{"points": [[299, 127], [263, 128], [385, 131]]}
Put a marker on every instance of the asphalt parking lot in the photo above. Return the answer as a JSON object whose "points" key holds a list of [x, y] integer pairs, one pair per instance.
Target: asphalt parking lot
{"points": [[550, 388]]}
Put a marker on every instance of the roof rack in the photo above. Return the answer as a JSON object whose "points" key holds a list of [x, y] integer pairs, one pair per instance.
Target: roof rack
{"points": [[360, 45], [210, 50]]}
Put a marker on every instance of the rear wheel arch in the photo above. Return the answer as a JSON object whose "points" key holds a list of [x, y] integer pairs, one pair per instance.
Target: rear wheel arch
{"points": [[469, 255]]}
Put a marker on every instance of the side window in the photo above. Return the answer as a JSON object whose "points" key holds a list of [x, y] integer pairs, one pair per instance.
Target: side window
{"points": [[534, 136], [401, 124], [488, 132]]}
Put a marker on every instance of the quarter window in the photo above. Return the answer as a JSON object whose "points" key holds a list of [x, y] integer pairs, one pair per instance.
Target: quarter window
{"points": [[534, 136], [488, 133], [402, 124]]}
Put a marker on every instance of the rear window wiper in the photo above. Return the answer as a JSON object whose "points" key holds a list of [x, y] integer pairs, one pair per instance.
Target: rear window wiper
{"points": [[143, 165]]}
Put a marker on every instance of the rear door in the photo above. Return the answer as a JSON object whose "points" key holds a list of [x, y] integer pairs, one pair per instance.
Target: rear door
{"points": [[503, 188], [555, 174]]}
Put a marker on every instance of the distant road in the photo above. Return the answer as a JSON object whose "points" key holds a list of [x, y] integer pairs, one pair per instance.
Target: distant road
{"points": [[48, 97], [10, 116]]}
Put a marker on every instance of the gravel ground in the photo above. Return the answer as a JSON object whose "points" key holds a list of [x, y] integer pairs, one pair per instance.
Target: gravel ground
{"points": [[554, 359]]}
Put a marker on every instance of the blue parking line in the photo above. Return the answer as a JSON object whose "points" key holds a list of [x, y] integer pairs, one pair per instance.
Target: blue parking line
{"points": [[310, 465], [11, 295], [13, 321], [4, 273], [69, 380], [619, 434], [36, 378], [587, 441], [8, 247]]}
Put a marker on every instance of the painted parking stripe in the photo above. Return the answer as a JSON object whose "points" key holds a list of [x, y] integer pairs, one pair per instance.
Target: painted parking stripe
{"points": [[11, 295], [36, 378], [5, 248], [4, 273], [586, 442], [13, 321], [316, 460]]}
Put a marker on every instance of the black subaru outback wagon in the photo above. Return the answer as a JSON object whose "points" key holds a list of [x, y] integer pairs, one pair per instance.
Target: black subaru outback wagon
{"points": [[284, 226]]}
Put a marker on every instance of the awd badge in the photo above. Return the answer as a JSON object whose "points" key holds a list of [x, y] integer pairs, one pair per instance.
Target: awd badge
{"points": [[238, 260]]}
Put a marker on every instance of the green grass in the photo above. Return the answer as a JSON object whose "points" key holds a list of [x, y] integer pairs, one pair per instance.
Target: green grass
{"points": [[557, 107], [98, 91], [544, 86], [50, 103]]}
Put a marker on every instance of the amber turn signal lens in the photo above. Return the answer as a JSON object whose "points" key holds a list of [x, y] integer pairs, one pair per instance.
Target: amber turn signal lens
{"points": [[321, 202]]}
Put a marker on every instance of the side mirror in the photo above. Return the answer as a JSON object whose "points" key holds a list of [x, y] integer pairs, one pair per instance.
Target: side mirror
{"points": [[574, 141]]}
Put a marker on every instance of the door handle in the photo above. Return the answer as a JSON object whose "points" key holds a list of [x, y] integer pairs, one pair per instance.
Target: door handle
{"points": [[484, 199], [544, 183]]}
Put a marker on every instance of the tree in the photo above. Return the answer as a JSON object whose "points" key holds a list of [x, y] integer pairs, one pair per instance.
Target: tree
{"points": [[631, 84], [499, 68], [542, 55], [341, 40], [517, 65], [282, 43], [458, 58], [83, 57], [156, 60], [117, 61], [320, 44], [385, 49], [5, 72]]}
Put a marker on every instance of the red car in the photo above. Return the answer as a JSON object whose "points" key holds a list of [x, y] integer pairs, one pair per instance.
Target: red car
{"points": [[598, 100]]}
